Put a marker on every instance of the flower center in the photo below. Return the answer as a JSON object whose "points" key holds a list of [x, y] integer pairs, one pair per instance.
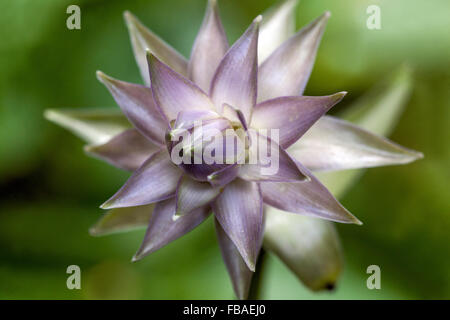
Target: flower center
{"points": [[203, 148]]}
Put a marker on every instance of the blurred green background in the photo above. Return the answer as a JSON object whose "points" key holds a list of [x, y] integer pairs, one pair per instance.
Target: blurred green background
{"points": [[50, 191]]}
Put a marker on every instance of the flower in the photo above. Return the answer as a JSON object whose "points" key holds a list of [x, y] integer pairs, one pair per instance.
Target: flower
{"points": [[257, 83]]}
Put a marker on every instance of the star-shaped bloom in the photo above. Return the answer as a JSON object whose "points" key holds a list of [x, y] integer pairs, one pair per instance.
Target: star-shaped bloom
{"points": [[257, 83]]}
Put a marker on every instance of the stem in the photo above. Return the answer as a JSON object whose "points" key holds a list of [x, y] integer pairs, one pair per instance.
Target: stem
{"points": [[255, 292]]}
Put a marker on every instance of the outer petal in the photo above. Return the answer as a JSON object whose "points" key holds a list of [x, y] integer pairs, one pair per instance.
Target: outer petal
{"points": [[286, 71], [334, 144], [173, 93], [235, 79], [142, 39], [193, 194], [154, 181], [209, 48], [293, 116], [162, 229], [277, 26], [137, 103], [280, 167], [240, 274], [128, 150], [239, 211], [309, 247], [95, 126], [377, 111], [308, 198], [122, 220]]}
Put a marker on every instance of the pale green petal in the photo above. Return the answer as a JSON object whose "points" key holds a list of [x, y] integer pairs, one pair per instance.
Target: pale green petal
{"points": [[122, 220], [377, 111], [142, 39], [95, 126], [333, 144], [309, 247], [277, 26], [380, 109]]}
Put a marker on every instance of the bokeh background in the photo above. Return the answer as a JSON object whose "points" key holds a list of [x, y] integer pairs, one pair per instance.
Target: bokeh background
{"points": [[50, 190]]}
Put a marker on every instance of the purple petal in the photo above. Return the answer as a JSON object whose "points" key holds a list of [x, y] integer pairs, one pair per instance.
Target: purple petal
{"points": [[309, 247], [293, 116], [334, 144], [269, 162], [308, 198], [137, 104], [239, 211], [127, 150], [235, 79], [173, 93], [122, 220], [193, 194], [224, 176], [277, 26], [286, 71], [142, 39], [187, 119], [154, 181], [240, 274], [209, 48], [162, 229]]}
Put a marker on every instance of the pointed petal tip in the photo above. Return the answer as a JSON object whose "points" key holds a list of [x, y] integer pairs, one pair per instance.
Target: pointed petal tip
{"points": [[131, 21], [348, 217], [151, 58], [419, 155], [109, 204], [354, 220], [321, 20], [49, 114], [351, 218], [411, 156], [103, 78], [258, 20], [140, 254], [127, 15], [339, 96]]}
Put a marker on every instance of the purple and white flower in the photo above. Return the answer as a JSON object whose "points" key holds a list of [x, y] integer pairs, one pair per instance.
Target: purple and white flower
{"points": [[255, 84]]}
